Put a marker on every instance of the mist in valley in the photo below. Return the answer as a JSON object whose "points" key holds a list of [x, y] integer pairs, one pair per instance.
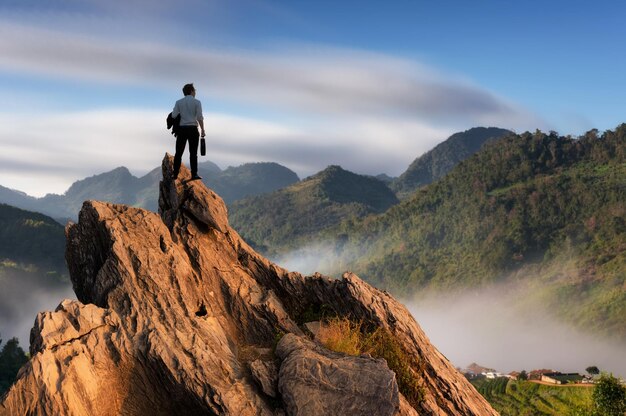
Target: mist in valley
{"points": [[489, 327], [319, 257], [22, 297]]}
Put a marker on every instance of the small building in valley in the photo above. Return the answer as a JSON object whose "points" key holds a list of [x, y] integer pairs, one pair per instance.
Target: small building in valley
{"points": [[513, 375], [537, 374], [561, 378]]}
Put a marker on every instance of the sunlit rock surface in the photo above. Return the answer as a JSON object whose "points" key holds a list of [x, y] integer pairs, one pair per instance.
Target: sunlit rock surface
{"points": [[178, 315]]}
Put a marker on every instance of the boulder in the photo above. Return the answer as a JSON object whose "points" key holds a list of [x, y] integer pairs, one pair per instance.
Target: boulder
{"points": [[315, 381]]}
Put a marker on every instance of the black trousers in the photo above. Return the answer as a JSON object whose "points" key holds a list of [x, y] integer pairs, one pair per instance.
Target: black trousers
{"points": [[187, 134]]}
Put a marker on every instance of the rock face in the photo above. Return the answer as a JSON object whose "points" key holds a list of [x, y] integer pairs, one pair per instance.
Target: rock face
{"points": [[178, 315]]}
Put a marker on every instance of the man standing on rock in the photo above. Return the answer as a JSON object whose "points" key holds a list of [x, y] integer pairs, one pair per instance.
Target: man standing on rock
{"points": [[190, 111]]}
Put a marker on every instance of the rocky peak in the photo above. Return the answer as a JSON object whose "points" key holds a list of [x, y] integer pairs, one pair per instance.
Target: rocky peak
{"points": [[176, 314]]}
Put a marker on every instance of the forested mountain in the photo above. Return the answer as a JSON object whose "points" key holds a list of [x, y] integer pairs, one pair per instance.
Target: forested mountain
{"points": [[554, 207], [120, 186], [31, 238], [290, 216], [437, 162]]}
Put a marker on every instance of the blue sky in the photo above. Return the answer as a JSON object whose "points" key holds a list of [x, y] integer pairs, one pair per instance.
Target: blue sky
{"points": [[85, 85]]}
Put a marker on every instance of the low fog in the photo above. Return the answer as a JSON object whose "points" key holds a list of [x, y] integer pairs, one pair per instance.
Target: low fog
{"points": [[22, 297], [319, 257], [486, 327]]}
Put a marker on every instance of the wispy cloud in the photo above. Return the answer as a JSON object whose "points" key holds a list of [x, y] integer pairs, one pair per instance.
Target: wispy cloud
{"points": [[304, 78], [369, 112]]}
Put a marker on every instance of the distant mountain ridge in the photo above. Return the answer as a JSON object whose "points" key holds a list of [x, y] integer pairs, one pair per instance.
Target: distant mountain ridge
{"points": [[235, 183], [250, 179], [120, 186], [305, 208], [437, 162]]}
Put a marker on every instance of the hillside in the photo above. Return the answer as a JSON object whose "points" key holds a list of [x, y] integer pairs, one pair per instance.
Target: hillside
{"points": [[120, 186], [293, 214], [519, 398], [437, 162], [547, 210], [31, 238]]}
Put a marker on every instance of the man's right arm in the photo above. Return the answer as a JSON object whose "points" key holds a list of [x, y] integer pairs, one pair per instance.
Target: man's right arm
{"points": [[200, 118], [201, 123]]}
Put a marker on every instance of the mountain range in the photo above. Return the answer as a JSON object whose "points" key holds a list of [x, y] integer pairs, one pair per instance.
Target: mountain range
{"points": [[120, 186], [288, 218], [543, 211]]}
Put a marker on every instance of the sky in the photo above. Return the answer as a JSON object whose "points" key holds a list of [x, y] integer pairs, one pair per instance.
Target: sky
{"points": [[86, 85]]}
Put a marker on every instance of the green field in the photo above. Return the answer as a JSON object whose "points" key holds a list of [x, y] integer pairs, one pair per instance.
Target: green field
{"points": [[526, 398]]}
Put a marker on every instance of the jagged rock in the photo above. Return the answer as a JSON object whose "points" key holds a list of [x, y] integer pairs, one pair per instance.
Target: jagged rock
{"points": [[170, 306], [265, 373], [316, 381]]}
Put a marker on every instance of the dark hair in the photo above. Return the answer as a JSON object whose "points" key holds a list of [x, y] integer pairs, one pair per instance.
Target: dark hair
{"points": [[188, 89]]}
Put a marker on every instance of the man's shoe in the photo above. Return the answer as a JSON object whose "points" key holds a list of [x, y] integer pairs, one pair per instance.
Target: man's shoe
{"points": [[196, 177]]}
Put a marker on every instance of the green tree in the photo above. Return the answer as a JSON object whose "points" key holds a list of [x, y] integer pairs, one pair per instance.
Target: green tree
{"points": [[523, 375], [609, 396], [12, 358], [592, 370]]}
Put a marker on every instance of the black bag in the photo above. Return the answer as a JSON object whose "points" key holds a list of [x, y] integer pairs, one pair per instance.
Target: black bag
{"points": [[202, 147]]}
